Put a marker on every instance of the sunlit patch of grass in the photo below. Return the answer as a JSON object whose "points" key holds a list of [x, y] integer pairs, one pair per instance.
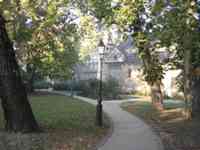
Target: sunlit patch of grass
{"points": [[175, 132]]}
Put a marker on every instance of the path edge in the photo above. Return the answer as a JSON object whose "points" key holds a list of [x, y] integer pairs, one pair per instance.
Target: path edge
{"points": [[111, 123], [152, 130], [87, 100]]}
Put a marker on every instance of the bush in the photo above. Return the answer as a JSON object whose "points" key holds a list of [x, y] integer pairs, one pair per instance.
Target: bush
{"points": [[90, 88], [61, 86], [42, 85], [67, 85], [111, 89]]}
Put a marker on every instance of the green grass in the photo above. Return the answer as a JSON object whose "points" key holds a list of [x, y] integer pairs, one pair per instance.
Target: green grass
{"points": [[66, 122], [175, 132], [64, 112], [144, 108]]}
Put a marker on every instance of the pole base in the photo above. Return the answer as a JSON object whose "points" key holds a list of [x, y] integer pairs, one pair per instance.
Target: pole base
{"points": [[99, 115]]}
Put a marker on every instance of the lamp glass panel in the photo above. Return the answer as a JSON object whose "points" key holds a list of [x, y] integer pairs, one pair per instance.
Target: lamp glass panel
{"points": [[101, 50]]}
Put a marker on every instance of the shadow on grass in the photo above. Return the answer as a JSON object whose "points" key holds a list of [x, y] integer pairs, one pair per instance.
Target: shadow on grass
{"points": [[67, 123], [175, 132]]}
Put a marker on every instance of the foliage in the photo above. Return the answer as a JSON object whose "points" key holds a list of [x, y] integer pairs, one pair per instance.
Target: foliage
{"points": [[89, 36], [133, 18], [64, 85], [180, 82], [43, 35], [128, 16], [126, 13], [111, 89], [101, 9], [90, 88], [153, 70], [179, 27], [42, 85]]}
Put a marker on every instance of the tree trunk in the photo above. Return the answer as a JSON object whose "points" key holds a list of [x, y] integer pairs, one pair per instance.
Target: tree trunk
{"points": [[31, 81], [17, 110], [196, 96], [187, 84], [31, 71], [157, 95]]}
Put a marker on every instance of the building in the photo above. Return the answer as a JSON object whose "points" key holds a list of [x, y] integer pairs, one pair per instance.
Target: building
{"points": [[122, 63]]}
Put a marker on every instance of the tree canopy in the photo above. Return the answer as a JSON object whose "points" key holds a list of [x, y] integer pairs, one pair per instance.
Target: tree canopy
{"points": [[44, 35]]}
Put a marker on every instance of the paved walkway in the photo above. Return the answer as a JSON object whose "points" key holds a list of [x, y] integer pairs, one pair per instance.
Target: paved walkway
{"points": [[130, 133]]}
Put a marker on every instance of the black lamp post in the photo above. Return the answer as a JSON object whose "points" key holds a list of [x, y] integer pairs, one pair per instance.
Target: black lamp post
{"points": [[99, 109]]}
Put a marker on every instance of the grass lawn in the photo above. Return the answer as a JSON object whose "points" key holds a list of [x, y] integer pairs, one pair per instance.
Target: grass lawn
{"points": [[175, 132], [68, 124]]}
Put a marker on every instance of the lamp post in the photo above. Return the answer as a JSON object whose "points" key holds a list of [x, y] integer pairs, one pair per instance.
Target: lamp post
{"points": [[99, 107]]}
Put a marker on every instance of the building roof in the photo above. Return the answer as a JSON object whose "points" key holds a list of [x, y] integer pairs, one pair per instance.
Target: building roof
{"points": [[124, 52]]}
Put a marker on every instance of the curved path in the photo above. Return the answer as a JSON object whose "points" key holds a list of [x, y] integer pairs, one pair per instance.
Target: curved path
{"points": [[130, 133]]}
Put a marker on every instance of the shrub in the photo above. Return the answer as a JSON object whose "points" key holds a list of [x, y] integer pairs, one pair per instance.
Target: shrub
{"points": [[42, 85], [111, 89], [61, 86], [90, 88], [67, 85]]}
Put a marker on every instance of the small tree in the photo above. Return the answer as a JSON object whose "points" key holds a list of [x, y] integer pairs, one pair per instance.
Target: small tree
{"points": [[152, 67]]}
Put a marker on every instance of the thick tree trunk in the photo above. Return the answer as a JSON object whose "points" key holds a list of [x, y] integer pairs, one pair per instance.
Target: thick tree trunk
{"points": [[17, 110], [196, 97], [157, 95]]}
